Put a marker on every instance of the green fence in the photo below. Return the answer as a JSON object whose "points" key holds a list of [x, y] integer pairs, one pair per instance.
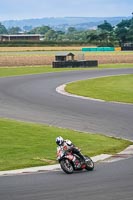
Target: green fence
{"points": [[98, 49]]}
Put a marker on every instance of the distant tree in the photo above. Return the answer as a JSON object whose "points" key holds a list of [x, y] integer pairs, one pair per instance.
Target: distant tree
{"points": [[71, 30], [51, 35], [124, 24], [27, 28], [3, 29], [40, 30], [101, 38], [60, 35], [105, 26], [60, 32], [14, 30], [123, 30], [130, 33], [93, 37]]}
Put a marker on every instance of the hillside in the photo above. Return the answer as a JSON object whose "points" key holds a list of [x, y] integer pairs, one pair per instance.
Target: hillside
{"points": [[62, 23]]}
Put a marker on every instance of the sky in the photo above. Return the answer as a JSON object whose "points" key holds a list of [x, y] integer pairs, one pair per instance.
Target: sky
{"points": [[27, 9]]}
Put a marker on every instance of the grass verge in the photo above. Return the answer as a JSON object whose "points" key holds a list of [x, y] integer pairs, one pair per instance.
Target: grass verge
{"points": [[28, 144], [17, 71], [113, 88]]}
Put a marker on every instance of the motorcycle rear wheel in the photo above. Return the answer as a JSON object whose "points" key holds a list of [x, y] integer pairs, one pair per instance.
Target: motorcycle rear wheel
{"points": [[66, 166]]}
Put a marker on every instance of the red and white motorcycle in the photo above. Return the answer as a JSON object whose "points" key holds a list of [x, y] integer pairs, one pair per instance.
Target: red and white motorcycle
{"points": [[70, 162]]}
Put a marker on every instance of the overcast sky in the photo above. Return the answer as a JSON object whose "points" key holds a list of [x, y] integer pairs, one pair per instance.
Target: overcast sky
{"points": [[25, 9]]}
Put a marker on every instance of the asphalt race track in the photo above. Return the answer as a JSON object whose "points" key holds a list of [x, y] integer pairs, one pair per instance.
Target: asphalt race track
{"points": [[34, 98]]}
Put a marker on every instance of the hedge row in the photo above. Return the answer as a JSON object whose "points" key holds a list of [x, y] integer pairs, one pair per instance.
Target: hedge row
{"points": [[26, 43]]}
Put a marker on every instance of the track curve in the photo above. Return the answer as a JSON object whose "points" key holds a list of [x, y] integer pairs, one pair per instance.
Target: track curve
{"points": [[34, 98]]}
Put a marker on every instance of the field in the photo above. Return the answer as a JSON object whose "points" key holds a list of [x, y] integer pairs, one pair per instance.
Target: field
{"points": [[24, 56]]}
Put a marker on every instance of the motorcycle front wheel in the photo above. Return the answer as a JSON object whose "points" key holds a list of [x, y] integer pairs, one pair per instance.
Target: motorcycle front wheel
{"points": [[89, 164], [66, 166]]}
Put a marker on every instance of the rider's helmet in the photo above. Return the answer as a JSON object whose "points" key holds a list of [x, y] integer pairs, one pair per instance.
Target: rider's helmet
{"points": [[59, 140]]}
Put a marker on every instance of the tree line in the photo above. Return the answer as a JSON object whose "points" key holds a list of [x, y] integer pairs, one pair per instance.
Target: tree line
{"points": [[104, 35]]}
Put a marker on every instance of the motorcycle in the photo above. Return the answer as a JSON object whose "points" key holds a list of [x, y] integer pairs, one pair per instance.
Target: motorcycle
{"points": [[70, 162]]}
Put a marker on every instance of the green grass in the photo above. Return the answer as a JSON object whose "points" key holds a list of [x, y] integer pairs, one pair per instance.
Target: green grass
{"points": [[113, 88], [117, 65], [28, 144], [16, 71]]}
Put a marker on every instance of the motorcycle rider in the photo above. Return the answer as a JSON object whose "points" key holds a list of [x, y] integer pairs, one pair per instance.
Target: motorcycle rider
{"points": [[67, 145]]}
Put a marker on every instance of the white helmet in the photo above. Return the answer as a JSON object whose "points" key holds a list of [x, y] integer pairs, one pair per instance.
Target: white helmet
{"points": [[59, 140]]}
